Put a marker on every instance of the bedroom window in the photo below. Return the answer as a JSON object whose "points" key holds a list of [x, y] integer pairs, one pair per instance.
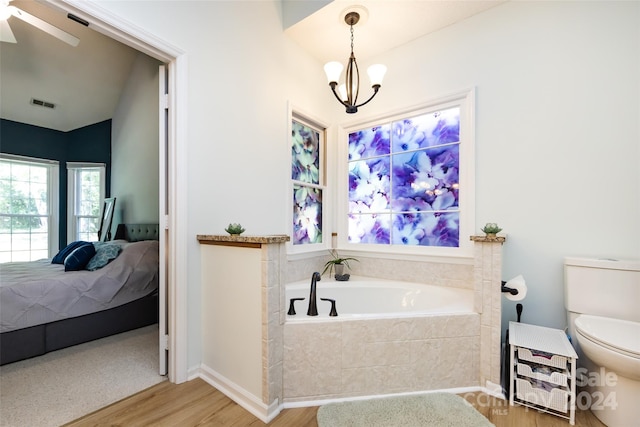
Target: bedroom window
{"points": [[28, 208], [408, 184], [308, 182], [86, 191]]}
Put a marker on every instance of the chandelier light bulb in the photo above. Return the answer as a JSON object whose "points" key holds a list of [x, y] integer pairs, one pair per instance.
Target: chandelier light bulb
{"points": [[333, 70], [376, 74]]}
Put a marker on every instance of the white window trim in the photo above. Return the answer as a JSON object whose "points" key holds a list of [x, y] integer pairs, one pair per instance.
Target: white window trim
{"points": [[325, 175], [54, 195], [71, 194], [466, 101]]}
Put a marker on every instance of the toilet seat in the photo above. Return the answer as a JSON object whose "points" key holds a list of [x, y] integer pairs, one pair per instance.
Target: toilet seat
{"points": [[621, 336]]}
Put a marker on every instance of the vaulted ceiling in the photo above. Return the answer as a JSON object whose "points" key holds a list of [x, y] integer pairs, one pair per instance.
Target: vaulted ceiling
{"points": [[85, 82]]}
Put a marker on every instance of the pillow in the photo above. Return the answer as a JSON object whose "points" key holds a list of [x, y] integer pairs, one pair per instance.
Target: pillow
{"points": [[79, 258], [65, 252], [105, 252]]}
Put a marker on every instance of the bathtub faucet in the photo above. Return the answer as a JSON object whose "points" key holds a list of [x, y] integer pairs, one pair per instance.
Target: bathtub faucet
{"points": [[313, 308]]}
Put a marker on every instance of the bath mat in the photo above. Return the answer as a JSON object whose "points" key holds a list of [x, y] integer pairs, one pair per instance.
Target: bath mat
{"points": [[425, 410]]}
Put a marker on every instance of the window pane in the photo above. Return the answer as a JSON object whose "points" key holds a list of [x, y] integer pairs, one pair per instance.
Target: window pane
{"points": [[426, 179], [307, 215], [371, 142], [441, 127], [24, 205], [369, 185], [427, 229], [370, 228], [305, 154]]}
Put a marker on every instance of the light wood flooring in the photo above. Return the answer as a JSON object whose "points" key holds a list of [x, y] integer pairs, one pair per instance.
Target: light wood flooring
{"points": [[196, 403]]}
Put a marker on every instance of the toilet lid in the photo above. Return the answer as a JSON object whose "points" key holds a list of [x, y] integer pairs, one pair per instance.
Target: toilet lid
{"points": [[623, 335]]}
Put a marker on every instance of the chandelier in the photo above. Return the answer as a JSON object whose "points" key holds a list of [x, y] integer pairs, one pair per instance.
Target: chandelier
{"points": [[347, 93]]}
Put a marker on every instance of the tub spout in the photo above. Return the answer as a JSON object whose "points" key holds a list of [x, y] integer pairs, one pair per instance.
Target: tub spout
{"points": [[313, 307]]}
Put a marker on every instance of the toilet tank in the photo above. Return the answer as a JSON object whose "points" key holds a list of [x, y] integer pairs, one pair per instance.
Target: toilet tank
{"points": [[602, 287]]}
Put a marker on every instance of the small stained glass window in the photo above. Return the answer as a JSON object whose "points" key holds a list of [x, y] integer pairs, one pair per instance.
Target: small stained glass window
{"points": [[306, 174]]}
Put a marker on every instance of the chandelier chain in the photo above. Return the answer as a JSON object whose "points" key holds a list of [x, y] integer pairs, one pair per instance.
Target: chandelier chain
{"points": [[351, 38]]}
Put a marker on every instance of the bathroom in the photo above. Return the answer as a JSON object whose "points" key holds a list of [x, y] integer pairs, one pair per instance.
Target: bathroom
{"points": [[529, 178]]}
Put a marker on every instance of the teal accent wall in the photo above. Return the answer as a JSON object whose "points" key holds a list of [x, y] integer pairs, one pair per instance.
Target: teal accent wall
{"points": [[87, 144]]}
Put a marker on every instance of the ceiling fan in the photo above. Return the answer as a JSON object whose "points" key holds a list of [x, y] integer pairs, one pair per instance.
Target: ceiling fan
{"points": [[6, 35]]}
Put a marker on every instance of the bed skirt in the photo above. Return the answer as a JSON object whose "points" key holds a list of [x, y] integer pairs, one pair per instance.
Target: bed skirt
{"points": [[40, 339]]}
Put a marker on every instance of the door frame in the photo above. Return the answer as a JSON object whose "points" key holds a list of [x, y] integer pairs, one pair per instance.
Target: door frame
{"points": [[113, 26]]}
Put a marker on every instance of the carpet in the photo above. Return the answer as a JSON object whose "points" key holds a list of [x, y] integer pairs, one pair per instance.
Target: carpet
{"points": [[425, 410], [64, 385]]}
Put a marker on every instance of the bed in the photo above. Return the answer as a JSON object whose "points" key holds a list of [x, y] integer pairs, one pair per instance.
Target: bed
{"points": [[44, 308]]}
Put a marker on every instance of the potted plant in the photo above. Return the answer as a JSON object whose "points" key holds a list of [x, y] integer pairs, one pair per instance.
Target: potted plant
{"points": [[491, 229], [234, 229], [337, 263]]}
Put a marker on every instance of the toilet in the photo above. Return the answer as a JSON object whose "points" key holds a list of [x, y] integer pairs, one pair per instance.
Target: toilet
{"points": [[602, 298]]}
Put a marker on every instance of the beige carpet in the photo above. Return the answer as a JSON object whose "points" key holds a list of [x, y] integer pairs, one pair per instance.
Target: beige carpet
{"points": [[425, 410], [64, 385]]}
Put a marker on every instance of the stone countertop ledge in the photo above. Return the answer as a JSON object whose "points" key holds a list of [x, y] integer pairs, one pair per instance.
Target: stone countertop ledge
{"points": [[488, 239], [236, 238]]}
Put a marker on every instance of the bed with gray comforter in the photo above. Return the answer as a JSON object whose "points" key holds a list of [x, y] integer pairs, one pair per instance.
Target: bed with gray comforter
{"points": [[45, 308]]}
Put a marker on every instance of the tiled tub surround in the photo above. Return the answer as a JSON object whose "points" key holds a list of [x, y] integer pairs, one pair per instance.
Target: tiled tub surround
{"points": [[345, 358], [381, 356]]}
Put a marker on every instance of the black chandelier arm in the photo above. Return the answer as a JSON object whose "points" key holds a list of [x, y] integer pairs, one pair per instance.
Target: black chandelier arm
{"points": [[353, 108], [375, 91], [333, 89]]}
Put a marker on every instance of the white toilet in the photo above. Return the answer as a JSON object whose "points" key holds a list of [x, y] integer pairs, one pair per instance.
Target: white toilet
{"points": [[602, 298]]}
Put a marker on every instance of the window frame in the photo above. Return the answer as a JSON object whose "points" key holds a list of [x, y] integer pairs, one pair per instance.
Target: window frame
{"points": [[466, 101], [327, 200], [53, 195], [72, 218]]}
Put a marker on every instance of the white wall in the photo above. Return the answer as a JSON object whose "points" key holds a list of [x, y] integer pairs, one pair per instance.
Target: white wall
{"points": [[557, 131], [242, 73], [556, 124], [134, 146]]}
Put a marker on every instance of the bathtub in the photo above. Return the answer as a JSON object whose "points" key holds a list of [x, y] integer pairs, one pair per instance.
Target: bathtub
{"points": [[363, 298], [389, 337]]}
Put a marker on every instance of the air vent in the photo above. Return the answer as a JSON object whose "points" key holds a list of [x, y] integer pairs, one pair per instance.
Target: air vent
{"points": [[42, 103]]}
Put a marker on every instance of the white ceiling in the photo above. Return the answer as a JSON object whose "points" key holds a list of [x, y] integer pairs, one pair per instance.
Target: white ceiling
{"points": [[384, 25], [85, 82]]}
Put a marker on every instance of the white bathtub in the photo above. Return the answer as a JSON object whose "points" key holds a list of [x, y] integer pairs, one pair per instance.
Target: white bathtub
{"points": [[364, 297]]}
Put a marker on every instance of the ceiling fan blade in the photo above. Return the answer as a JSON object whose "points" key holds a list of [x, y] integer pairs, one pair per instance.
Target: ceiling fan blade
{"points": [[6, 35], [45, 26]]}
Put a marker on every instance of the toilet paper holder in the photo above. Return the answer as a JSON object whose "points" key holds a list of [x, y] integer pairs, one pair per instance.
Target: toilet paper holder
{"points": [[515, 288], [505, 288]]}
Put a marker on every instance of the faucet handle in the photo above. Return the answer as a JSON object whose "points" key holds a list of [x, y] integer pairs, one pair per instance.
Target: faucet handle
{"points": [[333, 311], [292, 310]]}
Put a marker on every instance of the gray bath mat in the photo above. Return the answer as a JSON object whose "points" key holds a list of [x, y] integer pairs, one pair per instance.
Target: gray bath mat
{"points": [[426, 410]]}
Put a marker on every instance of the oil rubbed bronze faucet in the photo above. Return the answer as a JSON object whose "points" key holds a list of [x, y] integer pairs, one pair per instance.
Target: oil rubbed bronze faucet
{"points": [[313, 308]]}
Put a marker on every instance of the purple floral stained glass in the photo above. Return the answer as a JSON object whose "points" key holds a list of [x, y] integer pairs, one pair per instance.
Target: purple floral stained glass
{"points": [[426, 229], [305, 153], [370, 142], [307, 215], [370, 228], [428, 130], [404, 184], [426, 180], [369, 185]]}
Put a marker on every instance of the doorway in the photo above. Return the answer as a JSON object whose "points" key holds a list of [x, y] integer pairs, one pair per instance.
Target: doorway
{"points": [[172, 112]]}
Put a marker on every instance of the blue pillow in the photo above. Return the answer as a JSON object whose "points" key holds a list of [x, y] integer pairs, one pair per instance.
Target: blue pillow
{"points": [[65, 252], [105, 252], [79, 258]]}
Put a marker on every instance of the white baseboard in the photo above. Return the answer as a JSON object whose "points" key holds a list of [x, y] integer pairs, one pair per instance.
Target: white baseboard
{"points": [[242, 397], [457, 390]]}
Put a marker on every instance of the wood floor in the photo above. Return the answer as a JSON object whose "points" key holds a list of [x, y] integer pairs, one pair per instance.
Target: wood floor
{"points": [[196, 403]]}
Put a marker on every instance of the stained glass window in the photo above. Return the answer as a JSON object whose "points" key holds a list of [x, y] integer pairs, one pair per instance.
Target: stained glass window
{"points": [[306, 173], [404, 181]]}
